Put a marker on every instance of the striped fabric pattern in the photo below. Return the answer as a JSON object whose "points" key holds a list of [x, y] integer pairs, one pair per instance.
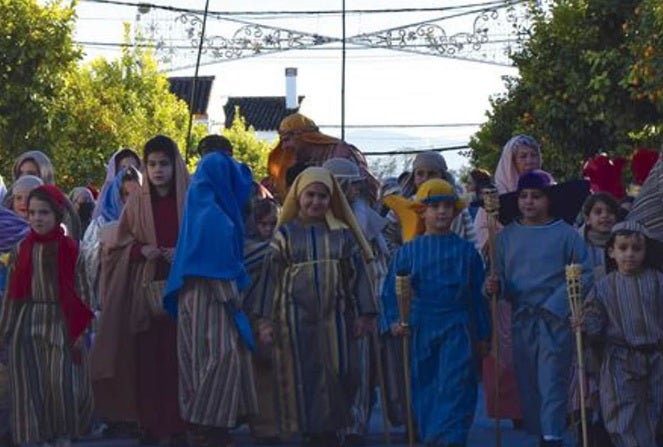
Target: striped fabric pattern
{"points": [[51, 396], [648, 206], [216, 376], [627, 313], [313, 282]]}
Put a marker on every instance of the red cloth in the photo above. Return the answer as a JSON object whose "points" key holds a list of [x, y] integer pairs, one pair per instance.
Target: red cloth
{"points": [[157, 379], [166, 227], [605, 175], [642, 163], [75, 311]]}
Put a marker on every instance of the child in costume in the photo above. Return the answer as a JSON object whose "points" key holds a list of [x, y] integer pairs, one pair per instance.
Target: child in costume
{"points": [[532, 253], [426, 166], [600, 212], [216, 385], [624, 310], [133, 361], [349, 177], [43, 320], [12, 229], [449, 315], [315, 282], [260, 229], [521, 154]]}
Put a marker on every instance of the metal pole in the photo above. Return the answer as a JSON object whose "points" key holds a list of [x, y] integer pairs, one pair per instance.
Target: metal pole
{"points": [[343, 76], [195, 82]]}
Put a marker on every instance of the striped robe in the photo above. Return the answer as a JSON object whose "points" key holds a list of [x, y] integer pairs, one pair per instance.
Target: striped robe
{"points": [[263, 424], [51, 395], [215, 375], [627, 312], [314, 284], [648, 206], [448, 314]]}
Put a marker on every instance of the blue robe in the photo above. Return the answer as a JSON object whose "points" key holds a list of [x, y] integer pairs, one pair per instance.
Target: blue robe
{"points": [[449, 313], [531, 261]]}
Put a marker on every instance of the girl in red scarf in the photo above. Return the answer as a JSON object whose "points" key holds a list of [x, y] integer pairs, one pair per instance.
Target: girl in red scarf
{"points": [[43, 320]]}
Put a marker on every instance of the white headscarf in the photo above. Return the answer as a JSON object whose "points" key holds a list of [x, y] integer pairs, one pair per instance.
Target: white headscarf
{"points": [[506, 174], [506, 179]]}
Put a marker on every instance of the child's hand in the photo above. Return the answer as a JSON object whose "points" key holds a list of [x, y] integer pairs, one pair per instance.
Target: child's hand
{"points": [[168, 254], [577, 322], [266, 333], [399, 330], [492, 285], [483, 348], [150, 252], [363, 326]]}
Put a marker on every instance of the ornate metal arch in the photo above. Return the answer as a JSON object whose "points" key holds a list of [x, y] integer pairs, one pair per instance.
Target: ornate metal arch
{"points": [[496, 33]]}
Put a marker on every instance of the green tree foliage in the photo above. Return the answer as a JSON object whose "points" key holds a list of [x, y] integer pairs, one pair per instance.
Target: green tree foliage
{"points": [[36, 55], [247, 147], [573, 93], [108, 104]]}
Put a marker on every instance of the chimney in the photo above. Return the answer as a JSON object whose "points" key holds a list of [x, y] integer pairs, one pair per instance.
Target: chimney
{"points": [[291, 102]]}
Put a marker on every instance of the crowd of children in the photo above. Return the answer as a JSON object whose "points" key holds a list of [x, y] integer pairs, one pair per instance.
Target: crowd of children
{"points": [[186, 306]]}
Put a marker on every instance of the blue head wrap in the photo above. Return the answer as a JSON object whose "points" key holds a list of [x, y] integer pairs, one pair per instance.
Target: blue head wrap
{"points": [[110, 202], [210, 243]]}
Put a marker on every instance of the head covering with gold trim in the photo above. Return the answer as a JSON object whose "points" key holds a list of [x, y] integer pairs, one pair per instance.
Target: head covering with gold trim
{"points": [[339, 215]]}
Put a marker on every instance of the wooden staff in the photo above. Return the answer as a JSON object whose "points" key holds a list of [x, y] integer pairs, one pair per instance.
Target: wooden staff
{"points": [[491, 204], [383, 387], [404, 296], [574, 292]]}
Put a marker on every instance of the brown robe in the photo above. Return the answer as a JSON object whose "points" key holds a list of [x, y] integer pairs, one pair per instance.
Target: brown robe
{"points": [[125, 312]]}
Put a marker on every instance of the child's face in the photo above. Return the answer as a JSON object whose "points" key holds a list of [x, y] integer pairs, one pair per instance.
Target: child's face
{"points": [[20, 203], [128, 187], [534, 206], [601, 218], [159, 169], [628, 251], [423, 174], [353, 191], [128, 160], [527, 159], [28, 167], [265, 226], [438, 216], [314, 202], [41, 216]]}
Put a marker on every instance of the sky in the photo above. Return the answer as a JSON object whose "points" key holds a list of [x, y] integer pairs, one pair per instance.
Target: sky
{"points": [[382, 87]]}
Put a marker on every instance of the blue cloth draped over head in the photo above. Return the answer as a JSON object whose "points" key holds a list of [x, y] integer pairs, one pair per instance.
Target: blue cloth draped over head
{"points": [[12, 229], [110, 203], [210, 243]]}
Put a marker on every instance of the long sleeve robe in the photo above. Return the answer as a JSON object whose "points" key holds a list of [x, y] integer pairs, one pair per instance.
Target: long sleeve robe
{"points": [[313, 285], [51, 394], [531, 262], [448, 314]]}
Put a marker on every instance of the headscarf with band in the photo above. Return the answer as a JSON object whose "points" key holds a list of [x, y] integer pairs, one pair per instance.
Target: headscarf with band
{"points": [[317, 148], [339, 215], [409, 211], [76, 313]]}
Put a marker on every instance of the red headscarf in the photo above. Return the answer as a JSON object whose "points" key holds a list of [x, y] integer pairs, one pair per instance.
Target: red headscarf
{"points": [[75, 311]]}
